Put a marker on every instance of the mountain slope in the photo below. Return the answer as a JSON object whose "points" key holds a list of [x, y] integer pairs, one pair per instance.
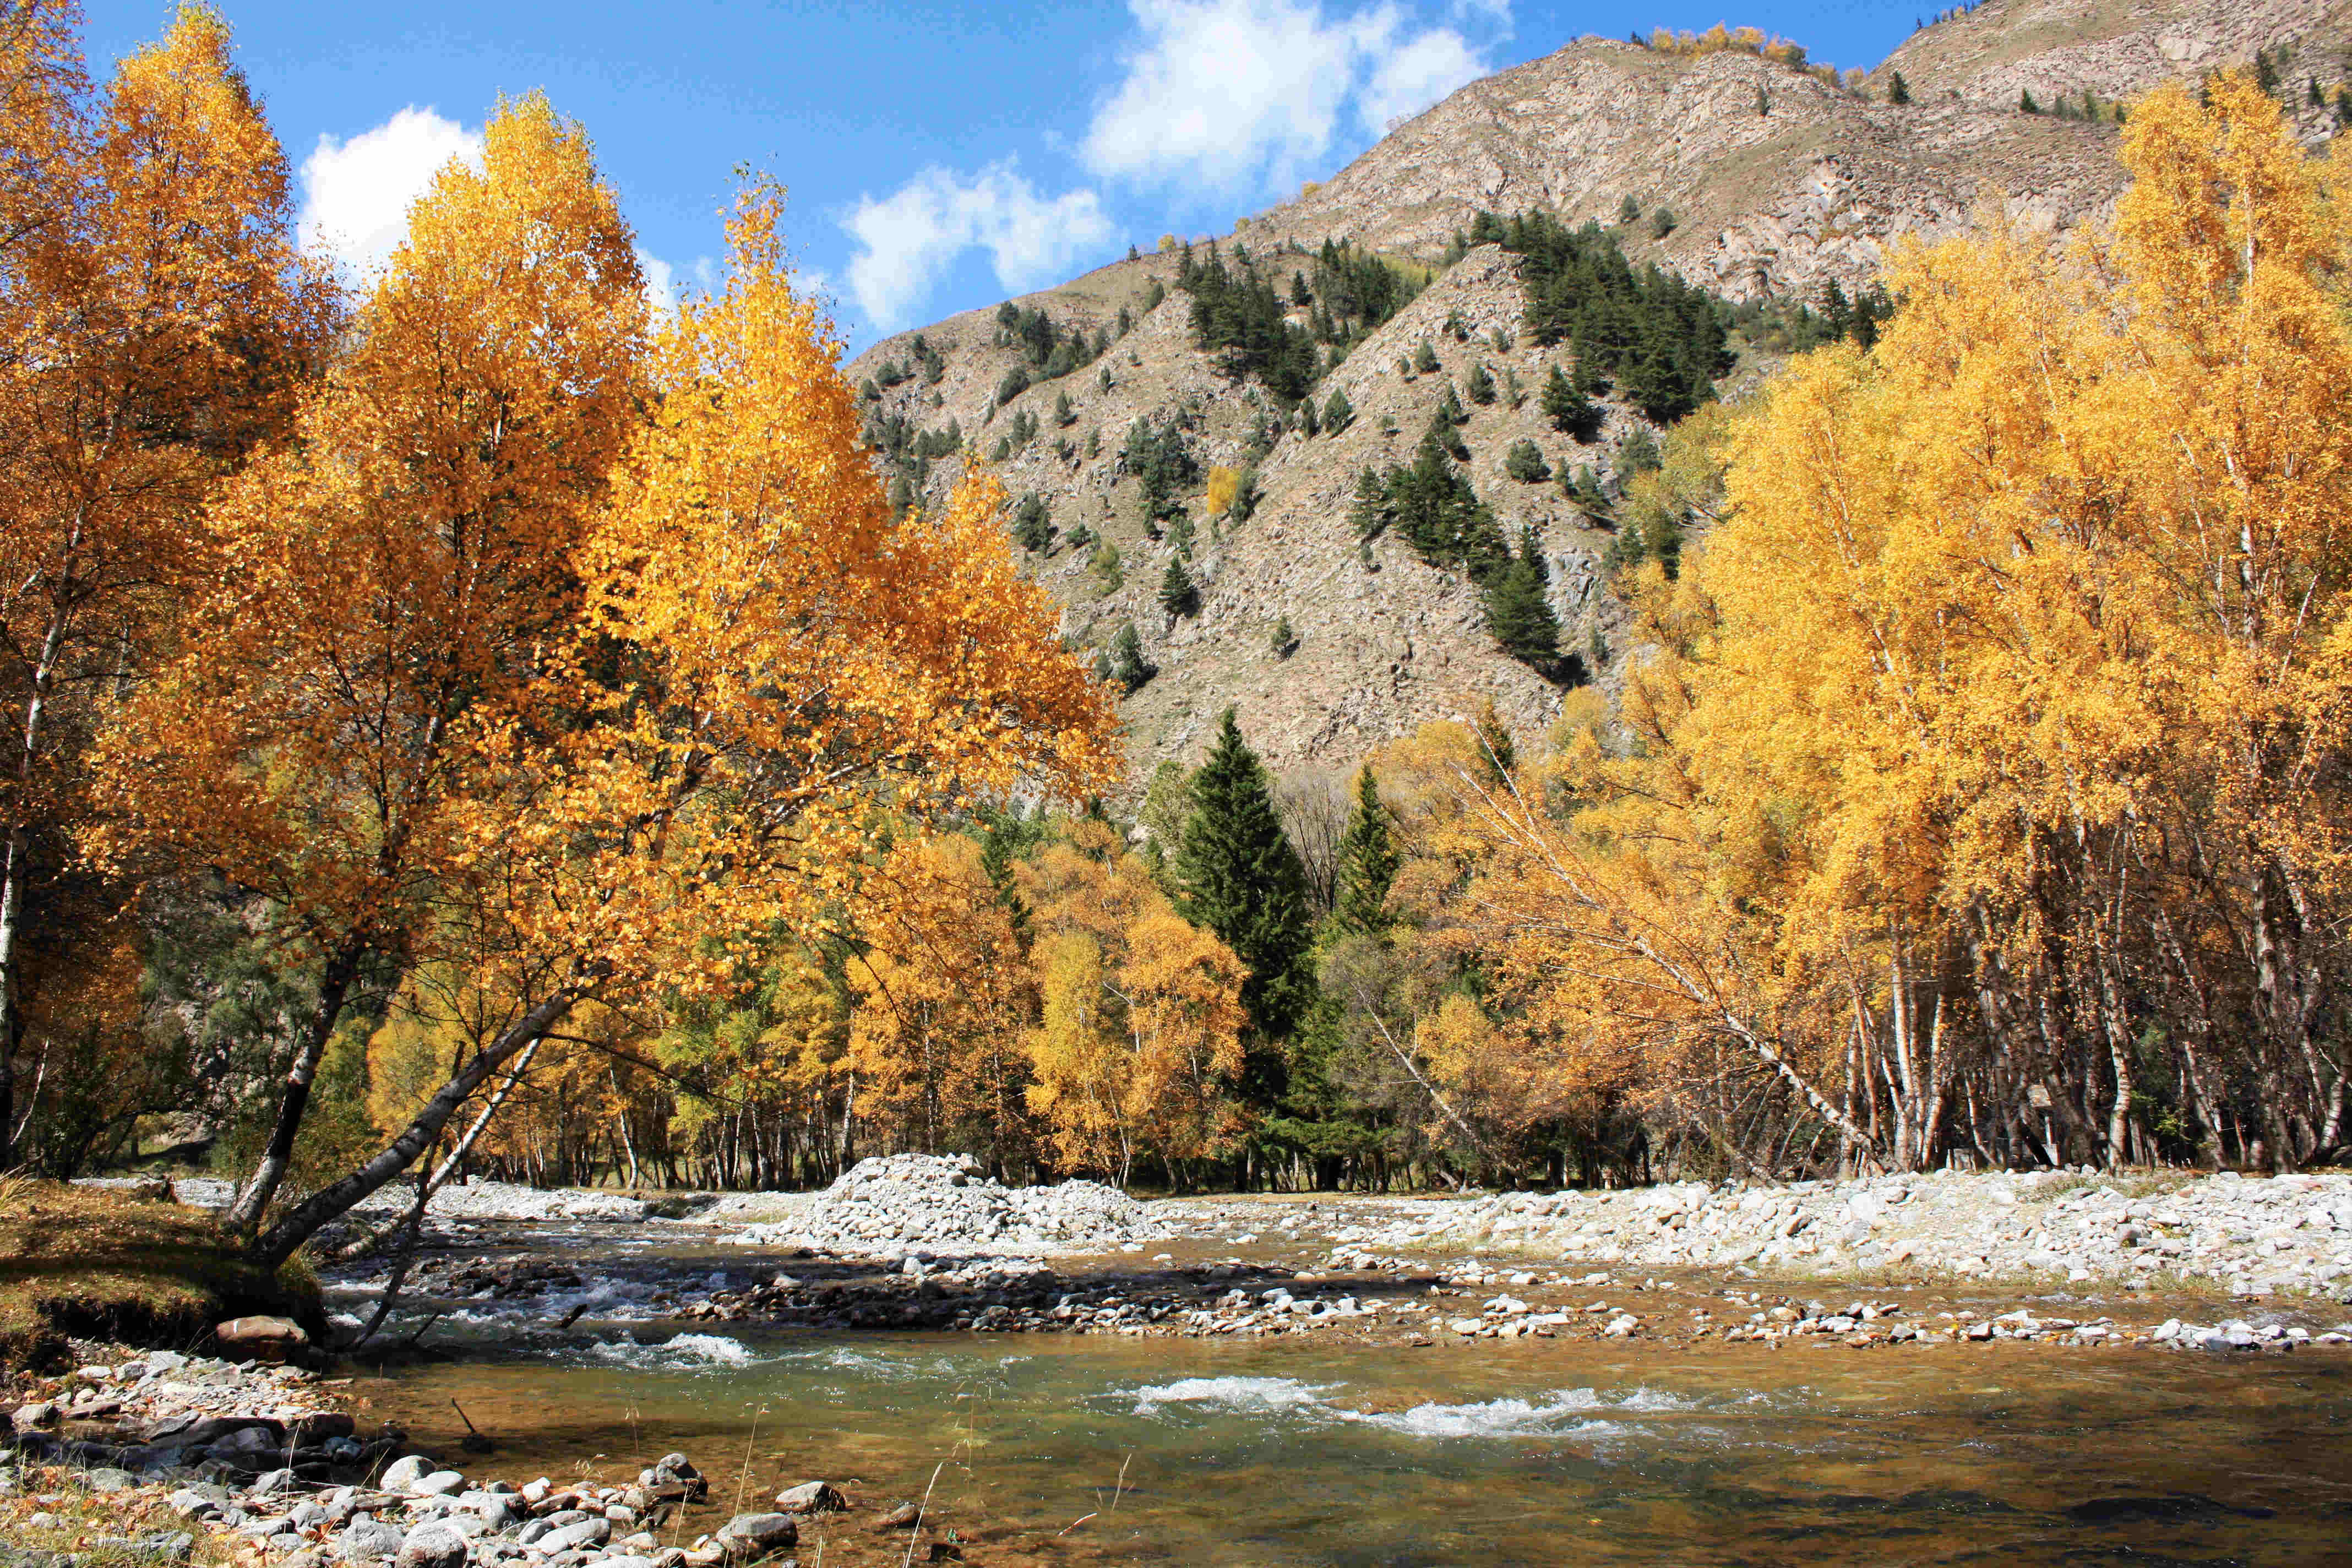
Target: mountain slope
{"points": [[1780, 182]]}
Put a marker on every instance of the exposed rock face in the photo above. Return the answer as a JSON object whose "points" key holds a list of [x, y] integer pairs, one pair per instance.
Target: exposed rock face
{"points": [[1780, 184], [2063, 48]]}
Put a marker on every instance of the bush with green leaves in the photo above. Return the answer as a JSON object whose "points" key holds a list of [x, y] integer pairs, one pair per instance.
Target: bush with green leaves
{"points": [[1424, 358], [1524, 462]]}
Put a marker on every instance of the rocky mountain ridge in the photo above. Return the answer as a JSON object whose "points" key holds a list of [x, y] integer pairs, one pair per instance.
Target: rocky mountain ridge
{"points": [[1776, 183]]}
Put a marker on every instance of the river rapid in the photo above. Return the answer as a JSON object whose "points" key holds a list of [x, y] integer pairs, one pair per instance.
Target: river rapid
{"points": [[1349, 1448]]}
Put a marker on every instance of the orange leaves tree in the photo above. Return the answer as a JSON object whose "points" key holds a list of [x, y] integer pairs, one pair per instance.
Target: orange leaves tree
{"points": [[1993, 756], [707, 666], [154, 320], [389, 573]]}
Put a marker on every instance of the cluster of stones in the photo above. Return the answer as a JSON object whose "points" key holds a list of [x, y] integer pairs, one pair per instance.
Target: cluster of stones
{"points": [[2257, 1236], [233, 1455], [167, 1413], [894, 1203], [418, 1515]]}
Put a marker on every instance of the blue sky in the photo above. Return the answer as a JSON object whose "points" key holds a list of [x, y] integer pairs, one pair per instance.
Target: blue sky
{"points": [[938, 156]]}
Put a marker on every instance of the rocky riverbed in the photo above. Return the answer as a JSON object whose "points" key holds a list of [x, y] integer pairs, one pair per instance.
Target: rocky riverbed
{"points": [[167, 1458], [194, 1458]]}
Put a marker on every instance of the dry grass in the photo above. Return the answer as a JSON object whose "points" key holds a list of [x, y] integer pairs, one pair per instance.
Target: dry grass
{"points": [[95, 1264], [78, 1521]]}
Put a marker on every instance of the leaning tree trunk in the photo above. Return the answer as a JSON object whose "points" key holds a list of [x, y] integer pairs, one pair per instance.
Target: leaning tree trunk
{"points": [[279, 1242], [334, 984]]}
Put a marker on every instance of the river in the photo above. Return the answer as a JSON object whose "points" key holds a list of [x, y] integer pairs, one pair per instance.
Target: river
{"points": [[1038, 1448]]}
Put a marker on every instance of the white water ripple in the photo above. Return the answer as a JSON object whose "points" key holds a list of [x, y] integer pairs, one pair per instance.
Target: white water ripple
{"points": [[1561, 1413]]}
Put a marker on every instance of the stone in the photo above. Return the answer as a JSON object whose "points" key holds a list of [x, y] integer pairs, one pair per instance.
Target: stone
{"points": [[431, 1546], [262, 1339], [368, 1541], [812, 1497], [901, 1516], [106, 1479], [170, 1545], [402, 1475], [194, 1502], [750, 1536], [249, 1448], [583, 1532], [35, 1418], [269, 1483], [440, 1483]]}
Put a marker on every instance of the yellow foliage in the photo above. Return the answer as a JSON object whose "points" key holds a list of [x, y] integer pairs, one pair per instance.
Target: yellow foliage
{"points": [[1224, 485], [1141, 1031], [2018, 666]]}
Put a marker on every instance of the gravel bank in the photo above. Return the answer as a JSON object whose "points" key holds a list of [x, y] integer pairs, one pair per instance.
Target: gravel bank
{"points": [[2251, 1236], [891, 1206]]}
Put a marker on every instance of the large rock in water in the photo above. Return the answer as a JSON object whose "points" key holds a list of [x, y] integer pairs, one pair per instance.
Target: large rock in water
{"points": [[261, 1339], [811, 1497], [750, 1536]]}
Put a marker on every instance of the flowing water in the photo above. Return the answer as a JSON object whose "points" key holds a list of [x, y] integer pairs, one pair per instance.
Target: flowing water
{"points": [[1210, 1452]]}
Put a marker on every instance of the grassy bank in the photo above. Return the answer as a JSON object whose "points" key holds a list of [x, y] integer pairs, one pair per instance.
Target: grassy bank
{"points": [[92, 1264]]}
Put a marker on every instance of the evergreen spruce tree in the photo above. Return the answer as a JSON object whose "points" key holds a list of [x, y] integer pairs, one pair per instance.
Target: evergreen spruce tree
{"points": [[1338, 413], [1570, 410], [1127, 663], [1518, 611], [1369, 860], [1424, 359], [1179, 594], [1495, 747], [1897, 90], [1480, 384], [1032, 527], [1241, 879]]}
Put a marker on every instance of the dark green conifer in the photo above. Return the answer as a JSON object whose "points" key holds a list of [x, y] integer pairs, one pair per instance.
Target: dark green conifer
{"points": [[1032, 527], [1127, 662], [1518, 612], [1338, 413], [1179, 594], [1368, 862], [1241, 879], [1568, 409]]}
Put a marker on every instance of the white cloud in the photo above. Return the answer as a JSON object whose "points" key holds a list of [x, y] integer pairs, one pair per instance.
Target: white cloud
{"points": [[356, 193], [1415, 75], [661, 282], [1246, 95], [909, 239]]}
